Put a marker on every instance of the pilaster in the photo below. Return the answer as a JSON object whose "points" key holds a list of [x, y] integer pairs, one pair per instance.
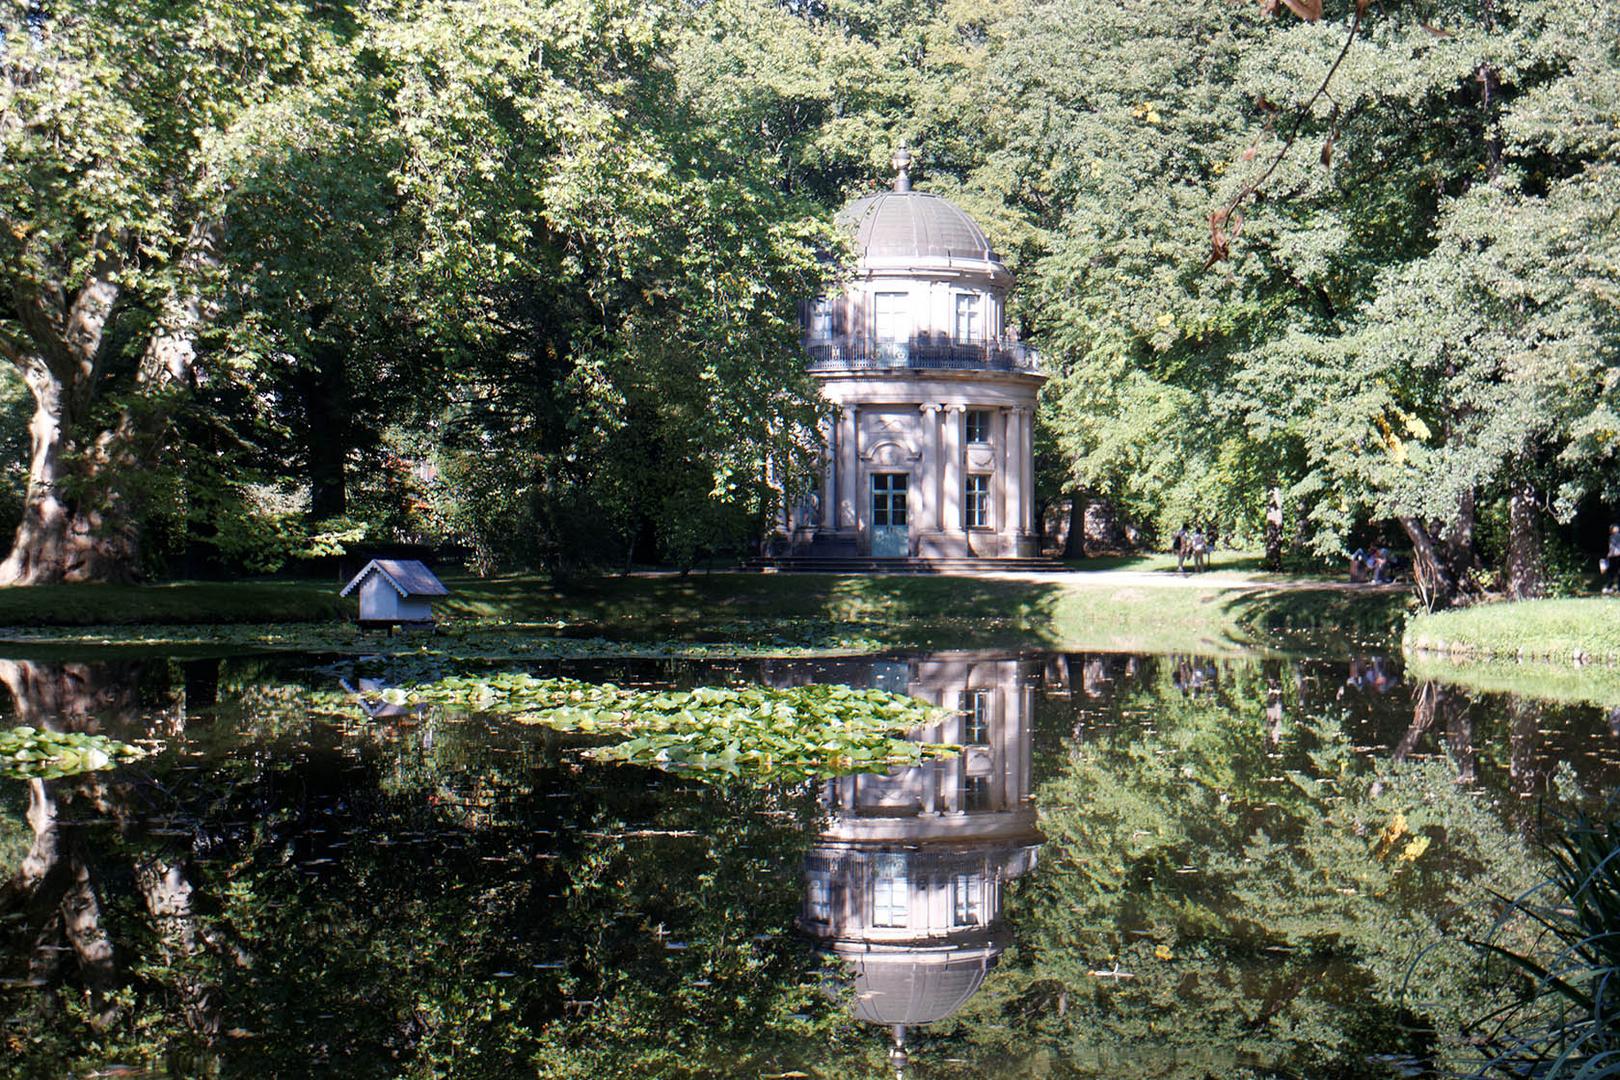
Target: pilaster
{"points": [[1002, 491], [1019, 478], [829, 486], [928, 515], [848, 497], [951, 504]]}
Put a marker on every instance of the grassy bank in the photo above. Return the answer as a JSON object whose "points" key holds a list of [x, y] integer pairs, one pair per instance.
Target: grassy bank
{"points": [[762, 611], [1585, 629], [1587, 684], [173, 603]]}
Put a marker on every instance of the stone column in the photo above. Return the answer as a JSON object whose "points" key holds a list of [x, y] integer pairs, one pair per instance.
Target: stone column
{"points": [[848, 497], [927, 515], [1002, 748], [1003, 489], [1024, 472], [829, 479], [951, 504]]}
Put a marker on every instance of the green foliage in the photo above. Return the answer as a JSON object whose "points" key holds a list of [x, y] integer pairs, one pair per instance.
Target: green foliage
{"points": [[759, 732], [28, 753], [1253, 876], [15, 838], [1567, 1027]]}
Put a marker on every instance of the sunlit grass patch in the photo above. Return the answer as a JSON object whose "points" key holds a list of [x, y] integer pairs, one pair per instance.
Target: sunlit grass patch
{"points": [[1578, 629]]}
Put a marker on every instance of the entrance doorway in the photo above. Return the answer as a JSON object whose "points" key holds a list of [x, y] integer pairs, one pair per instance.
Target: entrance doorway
{"points": [[889, 538]]}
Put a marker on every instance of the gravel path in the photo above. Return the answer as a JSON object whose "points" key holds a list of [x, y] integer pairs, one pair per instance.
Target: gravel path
{"points": [[1170, 579]]}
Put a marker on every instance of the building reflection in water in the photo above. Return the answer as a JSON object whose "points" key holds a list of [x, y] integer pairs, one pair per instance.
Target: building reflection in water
{"points": [[905, 881]]}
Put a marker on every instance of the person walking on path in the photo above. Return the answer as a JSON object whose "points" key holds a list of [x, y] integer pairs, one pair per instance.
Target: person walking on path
{"points": [[1178, 544], [1199, 546]]}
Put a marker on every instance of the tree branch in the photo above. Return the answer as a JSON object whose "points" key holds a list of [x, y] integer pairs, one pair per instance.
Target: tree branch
{"points": [[1220, 239]]}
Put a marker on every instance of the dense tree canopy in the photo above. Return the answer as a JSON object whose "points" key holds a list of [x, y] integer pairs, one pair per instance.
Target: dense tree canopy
{"points": [[523, 278]]}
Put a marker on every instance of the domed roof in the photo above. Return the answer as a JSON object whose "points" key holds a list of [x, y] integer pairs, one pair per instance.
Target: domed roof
{"points": [[917, 992], [914, 224]]}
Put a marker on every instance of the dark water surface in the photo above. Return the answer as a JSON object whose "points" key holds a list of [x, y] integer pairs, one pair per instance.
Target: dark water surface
{"points": [[1140, 866]]}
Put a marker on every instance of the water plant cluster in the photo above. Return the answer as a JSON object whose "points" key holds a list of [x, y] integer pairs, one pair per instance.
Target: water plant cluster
{"points": [[27, 753], [780, 734], [1567, 1024]]}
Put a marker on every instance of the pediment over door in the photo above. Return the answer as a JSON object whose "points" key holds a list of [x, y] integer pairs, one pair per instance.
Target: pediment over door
{"points": [[890, 452]]}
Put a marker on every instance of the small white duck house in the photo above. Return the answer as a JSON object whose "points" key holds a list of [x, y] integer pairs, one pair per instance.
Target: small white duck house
{"points": [[396, 592]]}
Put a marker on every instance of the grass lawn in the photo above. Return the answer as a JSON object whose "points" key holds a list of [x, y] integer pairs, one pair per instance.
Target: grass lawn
{"points": [[1249, 564], [817, 611], [1583, 628], [172, 603]]}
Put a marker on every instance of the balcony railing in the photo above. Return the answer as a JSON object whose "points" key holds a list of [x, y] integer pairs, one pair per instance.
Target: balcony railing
{"points": [[866, 354]]}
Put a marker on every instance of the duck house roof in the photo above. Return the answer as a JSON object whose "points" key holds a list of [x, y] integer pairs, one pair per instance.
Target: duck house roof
{"points": [[407, 576]]}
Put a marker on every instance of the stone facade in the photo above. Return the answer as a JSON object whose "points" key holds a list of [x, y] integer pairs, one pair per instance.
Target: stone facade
{"points": [[904, 882], [931, 451]]}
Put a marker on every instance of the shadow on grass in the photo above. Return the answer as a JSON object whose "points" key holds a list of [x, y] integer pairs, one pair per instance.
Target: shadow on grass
{"points": [[892, 610], [1319, 620], [902, 611], [173, 603]]}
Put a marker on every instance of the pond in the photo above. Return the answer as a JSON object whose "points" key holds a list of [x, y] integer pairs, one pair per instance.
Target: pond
{"points": [[1137, 866]]}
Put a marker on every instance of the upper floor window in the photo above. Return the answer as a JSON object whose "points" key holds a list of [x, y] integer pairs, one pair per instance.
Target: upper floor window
{"points": [[976, 717], [820, 900], [975, 793], [891, 316], [978, 426], [890, 891], [821, 320], [967, 899], [969, 318]]}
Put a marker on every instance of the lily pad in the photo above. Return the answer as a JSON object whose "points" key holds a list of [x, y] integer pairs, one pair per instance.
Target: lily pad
{"points": [[757, 731], [27, 753]]}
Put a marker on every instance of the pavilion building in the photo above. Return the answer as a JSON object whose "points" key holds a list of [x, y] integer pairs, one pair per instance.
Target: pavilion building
{"points": [[930, 455], [904, 882]]}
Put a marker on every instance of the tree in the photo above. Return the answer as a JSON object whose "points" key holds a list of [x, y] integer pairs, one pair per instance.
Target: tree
{"points": [[114, 206], [616, 286]]}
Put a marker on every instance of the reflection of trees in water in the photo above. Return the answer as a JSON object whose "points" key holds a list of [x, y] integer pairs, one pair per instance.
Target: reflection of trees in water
{"points": [[345, 908], [353, 894], [1213, 897], [53, 903], [90, 698]]}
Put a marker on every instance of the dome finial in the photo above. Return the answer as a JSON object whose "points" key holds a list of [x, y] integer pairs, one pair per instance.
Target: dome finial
{"points": [[898, 1058], [902, 168]]}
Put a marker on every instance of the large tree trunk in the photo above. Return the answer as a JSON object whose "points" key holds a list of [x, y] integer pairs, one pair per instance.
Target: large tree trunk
{"points": [[1433, 579], [64, 534], [326, 446], [1274, 529], [1526, 572], [75, 525], [58, 539], [1458, 544]]}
